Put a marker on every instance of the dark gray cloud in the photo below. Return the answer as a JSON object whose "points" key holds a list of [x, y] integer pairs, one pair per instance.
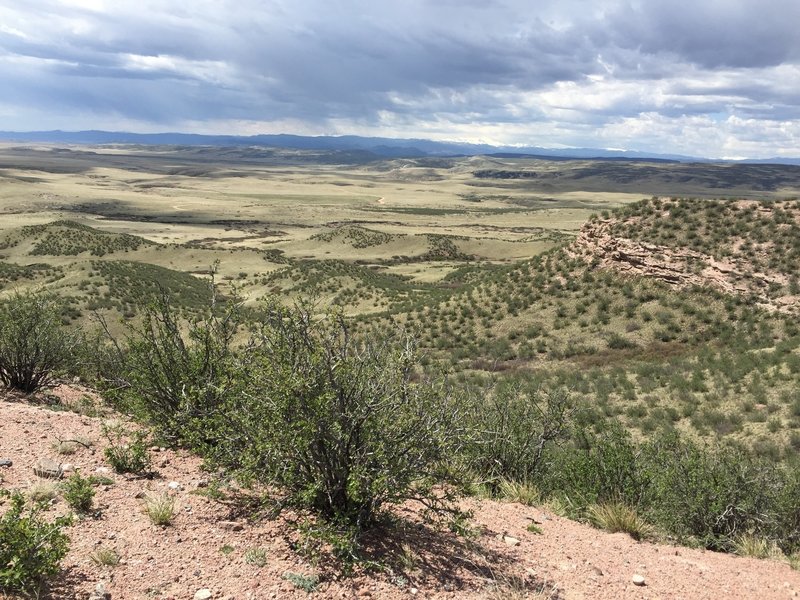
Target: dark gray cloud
{"points": [[711, 33], [646, 74]]}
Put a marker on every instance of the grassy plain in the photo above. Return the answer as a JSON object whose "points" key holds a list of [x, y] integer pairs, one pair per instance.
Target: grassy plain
{"points": [[253, 209]]}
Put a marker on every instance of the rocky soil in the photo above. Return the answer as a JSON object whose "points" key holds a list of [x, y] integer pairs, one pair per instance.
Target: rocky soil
{"points": [[214, 550]]}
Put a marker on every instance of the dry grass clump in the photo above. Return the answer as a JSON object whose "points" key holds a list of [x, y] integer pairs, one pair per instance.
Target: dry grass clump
{"points": [[519, 491], [65, 448], [160, 508], [407, 557], [755, 546], [43, 491], [69, 447], [105, 557], [513, 587], [616, 517], [256, 557]]}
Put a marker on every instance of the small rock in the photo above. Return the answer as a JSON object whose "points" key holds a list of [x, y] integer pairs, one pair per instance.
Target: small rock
{"points": [[203, 594], [510, 541], [67, 467], [231, 525], [48, 468], [100, 593], [102, 470], [202, 483], [638, 580], [174, 485], [414, 591], [5, 462], [597, 571]]}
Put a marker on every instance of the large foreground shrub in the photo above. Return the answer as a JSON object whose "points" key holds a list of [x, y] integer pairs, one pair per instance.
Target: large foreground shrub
{"points": [[333, 422], [342, 424], [30, 547], [34, 346]]}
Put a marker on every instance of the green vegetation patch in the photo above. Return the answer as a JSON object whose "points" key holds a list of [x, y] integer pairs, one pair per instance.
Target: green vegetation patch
{"points": [[138, 283], [358, 237], [11, 273], [68, 238]]}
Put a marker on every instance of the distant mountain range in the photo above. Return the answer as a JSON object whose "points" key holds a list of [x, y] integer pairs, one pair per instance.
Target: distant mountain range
{"points": [[380, 147]]}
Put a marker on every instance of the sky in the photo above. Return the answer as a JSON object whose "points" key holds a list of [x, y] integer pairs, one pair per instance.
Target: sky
{"points": [[713, 78]]}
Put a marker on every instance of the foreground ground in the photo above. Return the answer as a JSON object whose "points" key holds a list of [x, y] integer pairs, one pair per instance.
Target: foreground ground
{"points": [[215, 546]]}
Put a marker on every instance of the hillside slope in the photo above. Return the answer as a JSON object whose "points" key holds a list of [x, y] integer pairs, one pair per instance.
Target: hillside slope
{"points": [[211, 545]]}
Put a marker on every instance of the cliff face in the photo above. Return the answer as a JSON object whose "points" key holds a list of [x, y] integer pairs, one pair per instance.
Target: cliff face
{"points": [[682, 267]]}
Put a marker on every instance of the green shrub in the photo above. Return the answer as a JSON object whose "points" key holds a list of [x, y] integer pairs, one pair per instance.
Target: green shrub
{"points": [[708, 495], [511, 426], [341, 423], [596, 469], [712, 494], [176, 374], [307, 583], [126, 453], [30, 547], [78, 492], [34, 346], [619, 342]]}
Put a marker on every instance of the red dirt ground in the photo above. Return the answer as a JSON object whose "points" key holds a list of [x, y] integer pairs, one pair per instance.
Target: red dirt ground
{"points": [[206, 544]]}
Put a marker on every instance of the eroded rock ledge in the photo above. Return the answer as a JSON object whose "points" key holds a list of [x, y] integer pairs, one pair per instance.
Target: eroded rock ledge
{"points": [[681, 267]]}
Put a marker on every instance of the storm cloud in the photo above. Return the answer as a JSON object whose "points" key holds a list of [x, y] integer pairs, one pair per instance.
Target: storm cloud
{"points": [[704, 77]]}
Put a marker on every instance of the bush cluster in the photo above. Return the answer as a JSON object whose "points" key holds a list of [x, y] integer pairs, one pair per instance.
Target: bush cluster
{"points": [[30, 546], [34, 345], [698, 493], [344, 422], [341, 424]]}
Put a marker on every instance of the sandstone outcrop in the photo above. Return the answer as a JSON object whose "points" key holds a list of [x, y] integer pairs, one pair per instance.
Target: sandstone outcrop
{"points": [[681, 267]]}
